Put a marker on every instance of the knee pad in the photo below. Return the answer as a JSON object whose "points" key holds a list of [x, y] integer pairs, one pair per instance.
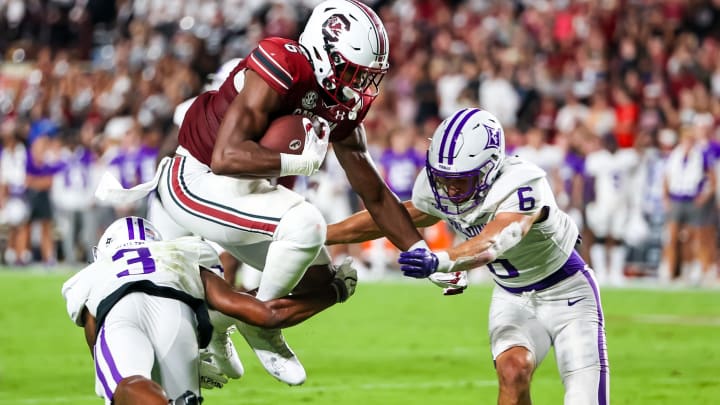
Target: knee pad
{"points": [[302, 224]]}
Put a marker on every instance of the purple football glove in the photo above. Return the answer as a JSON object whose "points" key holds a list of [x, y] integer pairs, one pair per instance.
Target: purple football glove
{"points": [[418, 263]]}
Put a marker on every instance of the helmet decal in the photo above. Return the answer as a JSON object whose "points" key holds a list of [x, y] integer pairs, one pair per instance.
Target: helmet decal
{"points": [[334, 27], [493, 137]]}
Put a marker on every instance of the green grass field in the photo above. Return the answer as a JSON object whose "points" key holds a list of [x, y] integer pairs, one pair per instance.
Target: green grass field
{"points": [[393, 343]]}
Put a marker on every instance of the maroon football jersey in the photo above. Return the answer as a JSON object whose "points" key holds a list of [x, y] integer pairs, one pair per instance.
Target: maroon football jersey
{"points": [[284, 66]]}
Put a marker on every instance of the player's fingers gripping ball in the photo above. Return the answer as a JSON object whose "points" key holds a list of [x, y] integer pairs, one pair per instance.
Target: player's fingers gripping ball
{"points": [[302, 143]]}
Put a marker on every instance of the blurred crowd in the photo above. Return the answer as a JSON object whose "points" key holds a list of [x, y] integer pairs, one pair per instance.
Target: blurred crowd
{"points": [[618, 100]]}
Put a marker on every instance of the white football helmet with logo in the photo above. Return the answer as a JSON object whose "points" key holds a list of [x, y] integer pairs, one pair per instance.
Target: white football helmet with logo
{"points": [[349, 49], [124, 232], [466, 153]]}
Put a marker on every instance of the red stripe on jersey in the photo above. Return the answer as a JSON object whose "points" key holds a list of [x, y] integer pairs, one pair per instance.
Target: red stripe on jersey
{"points": [[206, 210], [271, 67]]}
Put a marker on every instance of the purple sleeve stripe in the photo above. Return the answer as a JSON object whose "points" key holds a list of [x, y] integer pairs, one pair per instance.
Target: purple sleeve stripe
{"points": [[101, 377], [109, 359]]}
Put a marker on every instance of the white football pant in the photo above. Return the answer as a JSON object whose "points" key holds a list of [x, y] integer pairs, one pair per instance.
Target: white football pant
{"points": [[567, 316], [142, 333]]}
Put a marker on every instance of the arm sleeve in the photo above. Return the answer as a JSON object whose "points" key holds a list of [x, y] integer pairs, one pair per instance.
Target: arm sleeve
{"points": [[76, 292], [208, 258], [275, 64]]}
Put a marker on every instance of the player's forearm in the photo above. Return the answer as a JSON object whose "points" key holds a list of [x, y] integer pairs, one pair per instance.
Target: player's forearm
{"points": [[248, 159], [357, 228], [89, 325], [292, 310], [393, 219], [500, 235], [277, 313]]}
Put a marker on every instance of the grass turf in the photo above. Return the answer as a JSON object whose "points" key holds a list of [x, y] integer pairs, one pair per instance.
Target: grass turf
{"points": [[392, 343]]}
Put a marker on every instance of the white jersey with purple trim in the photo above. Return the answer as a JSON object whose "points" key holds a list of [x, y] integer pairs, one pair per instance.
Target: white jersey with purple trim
{"points": [[521, 187], [173, 263]]}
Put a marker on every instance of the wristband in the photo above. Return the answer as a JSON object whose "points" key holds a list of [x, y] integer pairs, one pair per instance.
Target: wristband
{"points": [[445, 265], [292, 165], [341, 292], [421, 244]]}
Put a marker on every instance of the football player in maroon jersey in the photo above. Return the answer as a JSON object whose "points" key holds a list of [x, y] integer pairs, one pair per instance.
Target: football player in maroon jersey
{"points": [[216, 186]]}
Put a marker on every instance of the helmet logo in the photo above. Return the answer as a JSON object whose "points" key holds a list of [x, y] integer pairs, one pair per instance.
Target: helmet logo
{"points": [[309, 100], [493, 137], [334, 26]]}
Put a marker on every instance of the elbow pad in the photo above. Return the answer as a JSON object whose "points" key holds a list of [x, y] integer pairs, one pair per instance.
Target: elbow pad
{"points": [[506, 239]]}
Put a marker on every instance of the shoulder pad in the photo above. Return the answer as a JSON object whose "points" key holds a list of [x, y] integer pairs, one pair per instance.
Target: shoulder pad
{"points": [[514, 174], [278, 61]]}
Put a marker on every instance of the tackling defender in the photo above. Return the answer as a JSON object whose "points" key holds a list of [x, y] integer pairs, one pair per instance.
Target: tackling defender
{"points": [[142, 306], [505, 211]]}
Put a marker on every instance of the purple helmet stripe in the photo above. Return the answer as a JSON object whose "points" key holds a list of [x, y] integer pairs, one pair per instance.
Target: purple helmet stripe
{"points": [[131, 228], [447, 132], [141, 228], [458, 129]]}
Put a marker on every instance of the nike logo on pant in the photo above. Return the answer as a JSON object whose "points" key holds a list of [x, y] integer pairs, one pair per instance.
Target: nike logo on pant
{"points": [[571, 302]]}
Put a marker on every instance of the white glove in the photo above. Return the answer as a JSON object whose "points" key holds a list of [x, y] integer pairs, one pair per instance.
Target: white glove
{"points": [[345, 280], [210, 374], [313, 154], [453, 283]]}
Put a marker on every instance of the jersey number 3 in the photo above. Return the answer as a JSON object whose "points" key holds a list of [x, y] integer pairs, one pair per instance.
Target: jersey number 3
{"points": [[139, 261]]}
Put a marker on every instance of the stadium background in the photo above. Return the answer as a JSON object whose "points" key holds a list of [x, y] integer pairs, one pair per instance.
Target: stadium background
{"points": [[90, 85]]}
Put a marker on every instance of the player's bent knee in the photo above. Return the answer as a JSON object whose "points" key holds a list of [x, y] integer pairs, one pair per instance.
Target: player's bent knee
{"points": [[316, 277], [515, 367], [302, 224]]}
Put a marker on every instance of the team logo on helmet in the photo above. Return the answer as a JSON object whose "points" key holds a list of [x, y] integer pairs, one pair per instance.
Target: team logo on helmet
{"points": [[309, 100], [493, 137], [334, 26]]}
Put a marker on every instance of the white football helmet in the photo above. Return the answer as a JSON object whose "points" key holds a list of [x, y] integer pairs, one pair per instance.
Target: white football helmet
{"points": [[124, 232], [348, 46], [223, 72], [465, 156]]}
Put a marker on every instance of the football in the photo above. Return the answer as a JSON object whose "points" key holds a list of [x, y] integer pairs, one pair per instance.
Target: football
{"points": [[286, 134]]}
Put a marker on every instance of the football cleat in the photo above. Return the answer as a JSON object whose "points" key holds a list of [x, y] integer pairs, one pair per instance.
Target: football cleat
{"points": [[274, 353], [223, 353]]}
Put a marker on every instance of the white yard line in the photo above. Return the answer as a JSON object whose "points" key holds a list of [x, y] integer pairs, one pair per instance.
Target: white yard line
{"points": [[695, 320]]}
